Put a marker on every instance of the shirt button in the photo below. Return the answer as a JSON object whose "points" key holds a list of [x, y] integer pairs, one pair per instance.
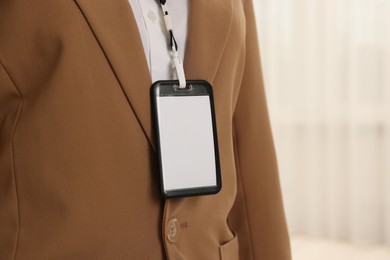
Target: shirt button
{"points": [[152, 16], [173, 230]]}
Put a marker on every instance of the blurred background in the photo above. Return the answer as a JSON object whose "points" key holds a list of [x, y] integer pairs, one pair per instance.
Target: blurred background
{"points": [[326, 67]]}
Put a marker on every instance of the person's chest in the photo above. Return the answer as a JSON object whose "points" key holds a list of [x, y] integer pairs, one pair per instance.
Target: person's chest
{"points": [[154, 36]]}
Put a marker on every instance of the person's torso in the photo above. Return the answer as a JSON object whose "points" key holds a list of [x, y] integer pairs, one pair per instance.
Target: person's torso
{"points": [[78, 147]]}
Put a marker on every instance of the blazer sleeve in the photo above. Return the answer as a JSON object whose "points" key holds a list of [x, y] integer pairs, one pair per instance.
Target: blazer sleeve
{"points": [[257, 216]]}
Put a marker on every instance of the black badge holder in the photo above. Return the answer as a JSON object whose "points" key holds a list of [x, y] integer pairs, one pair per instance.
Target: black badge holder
{"points": [[186, 131], [187, 142]]}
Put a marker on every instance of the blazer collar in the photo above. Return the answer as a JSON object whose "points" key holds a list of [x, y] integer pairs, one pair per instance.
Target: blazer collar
{"points": [[115, 28]]}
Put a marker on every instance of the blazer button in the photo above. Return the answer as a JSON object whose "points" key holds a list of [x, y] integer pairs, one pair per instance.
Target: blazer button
{"points": [[173, 230]]}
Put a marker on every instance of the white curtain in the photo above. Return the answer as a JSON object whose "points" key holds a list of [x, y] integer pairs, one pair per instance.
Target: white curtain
{"points": [[327, 72]]}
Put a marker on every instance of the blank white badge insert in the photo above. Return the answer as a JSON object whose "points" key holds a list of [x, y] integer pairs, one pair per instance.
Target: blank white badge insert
{"points": [[186, 142]]}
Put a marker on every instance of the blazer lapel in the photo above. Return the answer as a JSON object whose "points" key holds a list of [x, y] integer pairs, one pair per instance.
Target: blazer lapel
{"points": [[115, 28], [209, 27]]}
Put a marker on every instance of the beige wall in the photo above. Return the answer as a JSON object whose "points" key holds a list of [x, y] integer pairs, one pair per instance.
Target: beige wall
{"points": [[327, 73]]}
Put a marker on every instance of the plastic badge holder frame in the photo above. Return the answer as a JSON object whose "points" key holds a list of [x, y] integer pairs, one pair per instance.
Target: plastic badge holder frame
{"points": [[193, 88]]}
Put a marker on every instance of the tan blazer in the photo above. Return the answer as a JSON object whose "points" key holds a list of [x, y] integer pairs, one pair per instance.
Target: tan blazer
{"points": [[78, 173]]}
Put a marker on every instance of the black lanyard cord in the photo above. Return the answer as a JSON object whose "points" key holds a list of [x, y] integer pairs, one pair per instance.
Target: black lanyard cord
{"points": [[172, 40], [176, 61]]}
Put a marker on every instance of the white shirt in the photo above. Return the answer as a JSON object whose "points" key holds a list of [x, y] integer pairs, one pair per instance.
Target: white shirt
{"points": [[154, 36]]}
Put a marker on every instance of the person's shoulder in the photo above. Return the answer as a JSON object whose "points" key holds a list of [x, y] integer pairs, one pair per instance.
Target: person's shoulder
{"points": [[41, 10], [33, 5], [17, 16], [26, 23]]}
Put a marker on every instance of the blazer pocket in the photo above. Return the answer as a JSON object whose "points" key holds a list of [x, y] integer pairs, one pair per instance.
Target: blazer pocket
{"points": [[229, 250]]}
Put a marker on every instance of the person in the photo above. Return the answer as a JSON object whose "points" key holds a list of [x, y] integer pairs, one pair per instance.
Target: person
{"points": [[78, 167]]}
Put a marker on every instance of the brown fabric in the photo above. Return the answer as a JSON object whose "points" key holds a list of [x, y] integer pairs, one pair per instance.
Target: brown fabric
{"points": [[78, 175]]}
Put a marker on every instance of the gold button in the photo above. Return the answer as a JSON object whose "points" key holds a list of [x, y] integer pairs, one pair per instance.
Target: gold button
{"points": [[173, 230]]}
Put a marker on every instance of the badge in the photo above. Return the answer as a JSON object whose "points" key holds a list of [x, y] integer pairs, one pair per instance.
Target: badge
{"points": [[186, 136]]}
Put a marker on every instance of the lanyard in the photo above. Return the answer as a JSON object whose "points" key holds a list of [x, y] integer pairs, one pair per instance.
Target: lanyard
{"points": [[176, 61]]}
